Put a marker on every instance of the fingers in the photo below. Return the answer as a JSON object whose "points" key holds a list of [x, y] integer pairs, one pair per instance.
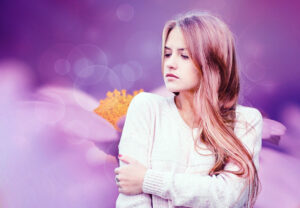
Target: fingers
{"points": [[117, 171], [117, 179], [120, 181], [124, 159], [120, 187], [121, 190], [127, 159]]}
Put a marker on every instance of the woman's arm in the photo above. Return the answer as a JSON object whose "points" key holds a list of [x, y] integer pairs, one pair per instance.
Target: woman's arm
{"points": [[192, 190], [135, 142]]}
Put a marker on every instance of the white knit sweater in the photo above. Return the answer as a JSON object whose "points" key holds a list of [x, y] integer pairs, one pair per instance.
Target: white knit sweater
{"points": [[155, 134]]}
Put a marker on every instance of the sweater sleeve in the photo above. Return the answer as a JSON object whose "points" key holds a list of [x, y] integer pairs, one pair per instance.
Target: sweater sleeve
{"points": [[134, 143], [223, 190]]}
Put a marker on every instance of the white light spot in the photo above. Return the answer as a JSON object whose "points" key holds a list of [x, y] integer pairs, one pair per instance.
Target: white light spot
{"points": [[125, 12]]}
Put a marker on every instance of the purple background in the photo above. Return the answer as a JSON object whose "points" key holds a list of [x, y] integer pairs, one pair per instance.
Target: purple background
{"points": [[267, 39]]}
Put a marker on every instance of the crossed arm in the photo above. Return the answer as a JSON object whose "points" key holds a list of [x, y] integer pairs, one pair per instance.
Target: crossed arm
{"points": [[194, 190], [183, 189]]}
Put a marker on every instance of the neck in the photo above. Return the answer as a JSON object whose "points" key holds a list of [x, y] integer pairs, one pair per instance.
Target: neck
{"points": [[184, 102]]}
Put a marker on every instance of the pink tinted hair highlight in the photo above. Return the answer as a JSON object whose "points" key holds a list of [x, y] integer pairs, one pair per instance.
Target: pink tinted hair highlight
{"points": [[211, 47]]}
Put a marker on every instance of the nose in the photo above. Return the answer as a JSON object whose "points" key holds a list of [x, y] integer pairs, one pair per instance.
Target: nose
{"points": [[171, 62]]}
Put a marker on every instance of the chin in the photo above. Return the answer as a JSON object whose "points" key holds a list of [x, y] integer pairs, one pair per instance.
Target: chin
{"points": [[172, 89]]}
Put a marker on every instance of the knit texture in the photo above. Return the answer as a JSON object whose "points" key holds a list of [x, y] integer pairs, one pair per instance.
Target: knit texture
{"points": [[155, 134]]}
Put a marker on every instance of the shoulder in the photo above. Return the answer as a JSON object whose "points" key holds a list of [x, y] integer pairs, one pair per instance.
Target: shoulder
{"points": [[249, 130], [248, 114], [147, 99], [143, 108], [249, 124]]}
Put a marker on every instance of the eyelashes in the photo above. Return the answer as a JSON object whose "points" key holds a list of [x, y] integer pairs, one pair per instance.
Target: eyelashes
{"points": [[183, 56]]}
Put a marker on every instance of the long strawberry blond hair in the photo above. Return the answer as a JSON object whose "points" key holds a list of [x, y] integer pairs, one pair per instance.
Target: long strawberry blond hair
{"points": [[211, 47]]}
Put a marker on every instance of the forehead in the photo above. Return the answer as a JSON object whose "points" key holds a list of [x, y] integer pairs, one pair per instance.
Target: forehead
{"points": [[175, 39]]}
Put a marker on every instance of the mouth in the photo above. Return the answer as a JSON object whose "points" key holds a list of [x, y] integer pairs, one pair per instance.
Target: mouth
{"points": [[172, 75]]}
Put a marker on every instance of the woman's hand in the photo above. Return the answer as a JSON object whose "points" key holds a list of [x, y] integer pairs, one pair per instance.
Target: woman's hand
{"points": [[130, 176]]}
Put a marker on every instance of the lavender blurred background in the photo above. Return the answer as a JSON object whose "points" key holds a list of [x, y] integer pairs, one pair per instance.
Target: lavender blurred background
{"points": [[98, 46], [59, 39]]}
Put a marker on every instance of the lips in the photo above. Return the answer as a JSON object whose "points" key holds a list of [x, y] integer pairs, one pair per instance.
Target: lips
{"points": [[171, 75]]}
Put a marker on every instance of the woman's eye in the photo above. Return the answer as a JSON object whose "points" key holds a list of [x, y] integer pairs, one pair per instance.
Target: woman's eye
{"points": [[184, 56], [167, 55]]}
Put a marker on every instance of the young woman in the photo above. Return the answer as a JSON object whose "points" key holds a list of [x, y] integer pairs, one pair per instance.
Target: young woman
{"points": [[197, 148]]}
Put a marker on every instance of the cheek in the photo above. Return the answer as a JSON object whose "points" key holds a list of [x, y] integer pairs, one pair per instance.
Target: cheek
{"points": [[193, 73], [195, 80]]}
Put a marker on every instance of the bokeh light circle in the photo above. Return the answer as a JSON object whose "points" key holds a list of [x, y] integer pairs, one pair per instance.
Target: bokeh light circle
{"points": [[125, 12]]}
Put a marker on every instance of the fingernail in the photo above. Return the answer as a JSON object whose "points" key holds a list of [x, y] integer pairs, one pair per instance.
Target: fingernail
{"points": [[120, 155]]}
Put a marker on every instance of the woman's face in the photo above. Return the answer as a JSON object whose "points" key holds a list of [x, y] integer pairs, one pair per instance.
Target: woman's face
{"points": [[178, 63]]}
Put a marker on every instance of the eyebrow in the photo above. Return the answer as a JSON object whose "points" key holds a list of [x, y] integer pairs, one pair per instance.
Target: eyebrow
{"points": [[179, 49]]}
